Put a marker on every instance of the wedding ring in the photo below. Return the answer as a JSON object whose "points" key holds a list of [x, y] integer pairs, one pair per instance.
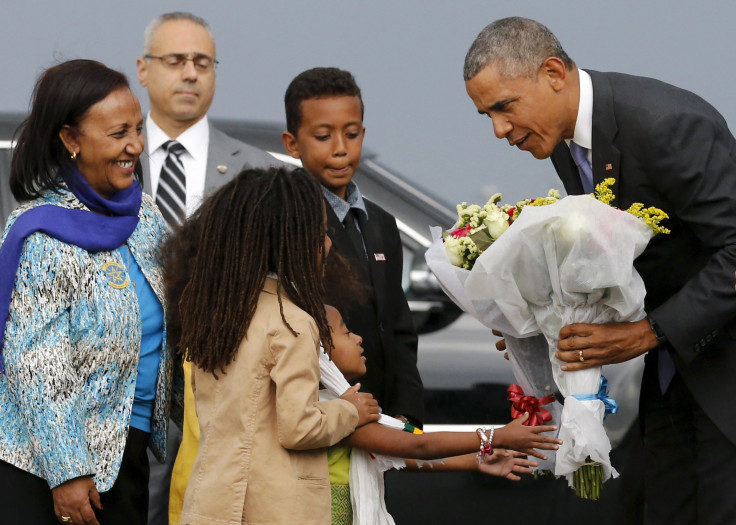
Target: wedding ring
{"points": [[581, 358], [65, 518]]}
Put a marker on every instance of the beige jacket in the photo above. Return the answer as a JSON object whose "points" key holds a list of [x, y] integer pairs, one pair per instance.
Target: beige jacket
{"points": [[261, 456]]}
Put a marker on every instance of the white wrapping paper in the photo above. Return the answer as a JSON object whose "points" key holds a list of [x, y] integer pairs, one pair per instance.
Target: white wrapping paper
{"points": [[568, 262]]}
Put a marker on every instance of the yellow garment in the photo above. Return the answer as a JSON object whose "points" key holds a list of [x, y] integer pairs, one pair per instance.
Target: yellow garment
{"points": [[342, 508], [187, 450], [338, 462]]}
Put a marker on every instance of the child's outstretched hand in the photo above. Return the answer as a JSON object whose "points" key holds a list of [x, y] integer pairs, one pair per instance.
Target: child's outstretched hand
{"points": [[506, 464], [364, 402], [516, 436]]}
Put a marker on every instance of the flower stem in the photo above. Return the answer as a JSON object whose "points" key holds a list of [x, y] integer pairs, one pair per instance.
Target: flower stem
{"points": [[587, 480]]}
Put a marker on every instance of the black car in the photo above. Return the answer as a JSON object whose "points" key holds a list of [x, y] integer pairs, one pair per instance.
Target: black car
{"points": [[465, 378]]}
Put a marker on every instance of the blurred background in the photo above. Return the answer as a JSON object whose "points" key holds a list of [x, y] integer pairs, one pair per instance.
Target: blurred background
{"points": [[407, 57]]}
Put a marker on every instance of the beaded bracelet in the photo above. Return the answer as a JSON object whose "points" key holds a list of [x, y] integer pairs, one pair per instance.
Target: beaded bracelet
{"points": [[485, 443]]}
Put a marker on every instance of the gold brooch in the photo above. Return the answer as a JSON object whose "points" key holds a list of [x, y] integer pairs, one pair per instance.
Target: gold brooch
{"points": [[116, 276]]}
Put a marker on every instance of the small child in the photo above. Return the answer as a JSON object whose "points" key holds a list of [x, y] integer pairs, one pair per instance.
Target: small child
{"points": [[250, 317], [347, 355]]}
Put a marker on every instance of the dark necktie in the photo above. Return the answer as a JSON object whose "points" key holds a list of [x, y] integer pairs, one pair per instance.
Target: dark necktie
{"points": [[171, 196], [350, 223], [580, 156]]}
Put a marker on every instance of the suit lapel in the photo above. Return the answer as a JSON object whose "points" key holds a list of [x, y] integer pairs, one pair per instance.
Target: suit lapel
{"points": [[221, 165], [606, 157], [146, 166], [374, 248], [342, 241], [566, 169], [376, 256]]}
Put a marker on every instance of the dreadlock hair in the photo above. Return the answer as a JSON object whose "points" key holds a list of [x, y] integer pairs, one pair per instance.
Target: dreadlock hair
{"points": [[216, 264]]}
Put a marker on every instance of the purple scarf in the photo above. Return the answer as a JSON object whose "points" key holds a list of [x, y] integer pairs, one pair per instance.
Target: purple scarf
{"points": [[108, 228]]}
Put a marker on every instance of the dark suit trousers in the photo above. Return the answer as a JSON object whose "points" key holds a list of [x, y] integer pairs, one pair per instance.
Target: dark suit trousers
{"points": [[690, 467], [160, 478]]}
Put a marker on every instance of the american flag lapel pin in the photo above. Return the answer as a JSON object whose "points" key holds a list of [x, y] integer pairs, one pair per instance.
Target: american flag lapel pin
{"points": [[379, 256], [609, 167]]}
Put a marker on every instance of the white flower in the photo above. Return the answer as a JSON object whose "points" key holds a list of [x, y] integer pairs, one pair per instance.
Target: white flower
{"points": [[496, 221], [454, 249]]}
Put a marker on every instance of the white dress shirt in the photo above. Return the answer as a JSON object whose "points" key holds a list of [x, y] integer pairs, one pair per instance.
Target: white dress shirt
{"points": [[583, 135], [196, 141]]}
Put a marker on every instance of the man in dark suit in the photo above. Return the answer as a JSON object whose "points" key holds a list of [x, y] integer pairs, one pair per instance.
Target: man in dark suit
{"points": [[668, 148], [186, 158], [324, 119]]}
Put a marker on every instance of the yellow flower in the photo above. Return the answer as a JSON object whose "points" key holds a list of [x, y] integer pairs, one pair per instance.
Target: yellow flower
{"points": [[651, 216], [602, 191]]}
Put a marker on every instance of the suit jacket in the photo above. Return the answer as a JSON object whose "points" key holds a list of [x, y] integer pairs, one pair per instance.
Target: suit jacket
{"points": [[262, 456], [667, 147], [71, 354], [384, 323], [223, 151]]}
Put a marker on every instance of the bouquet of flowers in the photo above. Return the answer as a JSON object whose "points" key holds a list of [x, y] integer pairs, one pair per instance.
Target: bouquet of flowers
{"points": [[477, 228], [567, 261]]}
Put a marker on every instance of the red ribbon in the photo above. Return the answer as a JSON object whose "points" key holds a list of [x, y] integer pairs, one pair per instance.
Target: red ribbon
{"points": [[521, 403]]}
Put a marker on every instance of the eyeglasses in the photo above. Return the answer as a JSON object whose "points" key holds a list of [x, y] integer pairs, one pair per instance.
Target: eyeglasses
{"points": [[202, 63]]}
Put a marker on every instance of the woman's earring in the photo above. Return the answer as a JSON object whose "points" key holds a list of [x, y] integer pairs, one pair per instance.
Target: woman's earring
{"points": [[74, 155]]}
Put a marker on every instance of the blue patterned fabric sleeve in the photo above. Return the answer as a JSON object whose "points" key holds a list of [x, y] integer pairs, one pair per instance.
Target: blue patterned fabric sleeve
{"points": [[40, 373]]}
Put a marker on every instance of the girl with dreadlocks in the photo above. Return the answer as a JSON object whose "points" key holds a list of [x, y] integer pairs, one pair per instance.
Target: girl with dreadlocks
{"points": [[244, 277]]}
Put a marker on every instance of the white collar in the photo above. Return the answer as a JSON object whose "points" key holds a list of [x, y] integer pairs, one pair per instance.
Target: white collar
{"points": [[583, 135], [195, 138]]}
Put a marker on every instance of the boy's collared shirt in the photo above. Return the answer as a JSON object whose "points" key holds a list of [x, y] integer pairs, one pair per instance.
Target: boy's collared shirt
{"points": [[353, 199]]}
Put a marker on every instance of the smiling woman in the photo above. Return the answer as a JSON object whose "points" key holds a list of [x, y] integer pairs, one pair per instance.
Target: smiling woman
{"points": [[107, 142], [85, 372]]}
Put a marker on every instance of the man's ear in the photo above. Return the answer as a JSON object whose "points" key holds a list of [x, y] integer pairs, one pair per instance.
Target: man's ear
{"points": [[70, 138], [292, 148], [555, 71], [142, 67]]}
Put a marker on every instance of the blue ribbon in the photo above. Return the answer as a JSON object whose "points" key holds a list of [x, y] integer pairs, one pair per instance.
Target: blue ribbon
{"points": [[610, 404]]}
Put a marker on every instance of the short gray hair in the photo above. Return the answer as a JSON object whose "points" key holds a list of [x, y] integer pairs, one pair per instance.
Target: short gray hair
{"points": [[517, 46], [157, 22]]}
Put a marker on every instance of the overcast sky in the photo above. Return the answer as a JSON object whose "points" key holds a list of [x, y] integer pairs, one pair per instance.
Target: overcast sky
{"points": [[406, 55]]}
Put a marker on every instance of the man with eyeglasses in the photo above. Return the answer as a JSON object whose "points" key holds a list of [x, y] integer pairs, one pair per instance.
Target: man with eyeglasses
{"points": [[186, 157], [178, 68]]}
